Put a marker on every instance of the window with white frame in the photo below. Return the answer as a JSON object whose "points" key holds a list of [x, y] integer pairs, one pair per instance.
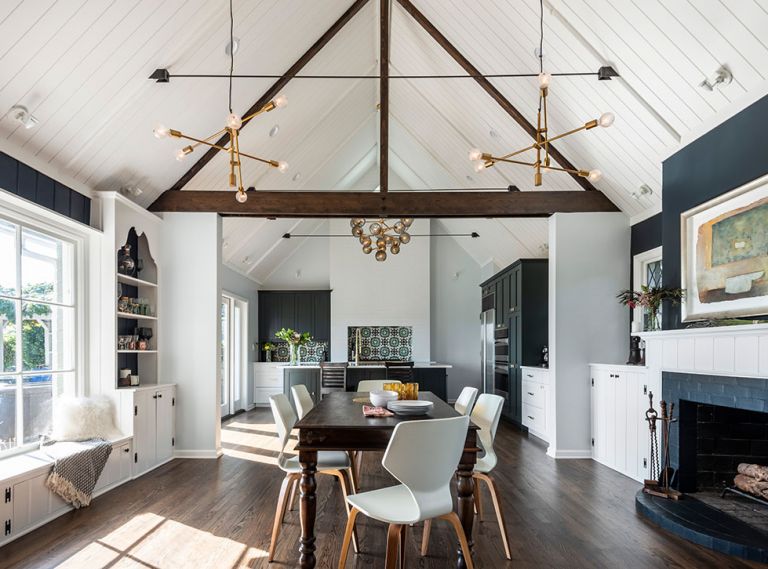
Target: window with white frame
{"points": [[647, 271], [37, 329]]}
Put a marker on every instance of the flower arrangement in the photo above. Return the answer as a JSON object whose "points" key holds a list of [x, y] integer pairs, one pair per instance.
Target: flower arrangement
{"points": [[269, 347], [651, 299], [294, 340]]}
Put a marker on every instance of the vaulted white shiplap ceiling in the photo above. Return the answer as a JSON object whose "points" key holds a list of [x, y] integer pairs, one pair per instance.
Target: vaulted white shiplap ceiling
{"points": [[81, 66]]}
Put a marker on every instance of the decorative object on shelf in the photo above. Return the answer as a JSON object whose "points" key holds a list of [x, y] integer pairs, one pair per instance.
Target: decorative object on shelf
{"points": [[126, 265], [294, 340], [650, 299], [635, 353], [724, 253], [661, 473], [725, 322], [145, 335], [230, 133], [124, 377], [135, 306], [268, 348], [379, 235], [134, 380], [545, 356], [542, 162]]}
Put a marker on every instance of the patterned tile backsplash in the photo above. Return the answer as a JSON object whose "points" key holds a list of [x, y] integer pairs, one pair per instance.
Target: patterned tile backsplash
{"points": [[309, 352], [381, 343]]}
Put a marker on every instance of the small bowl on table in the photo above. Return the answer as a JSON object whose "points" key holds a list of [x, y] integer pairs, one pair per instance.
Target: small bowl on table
{"points": [[380, 397]]}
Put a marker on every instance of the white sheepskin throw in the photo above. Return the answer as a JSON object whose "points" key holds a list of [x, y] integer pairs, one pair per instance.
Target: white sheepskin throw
{"points": [[83, 418]]}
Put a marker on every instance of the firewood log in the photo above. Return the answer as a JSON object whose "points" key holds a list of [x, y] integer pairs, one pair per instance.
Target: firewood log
{"points": [[749, 484], [754, 470]]}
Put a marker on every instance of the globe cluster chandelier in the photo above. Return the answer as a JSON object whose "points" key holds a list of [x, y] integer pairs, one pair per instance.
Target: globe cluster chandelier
{"points": [[379, 234], [542, 162], [233, 123]]}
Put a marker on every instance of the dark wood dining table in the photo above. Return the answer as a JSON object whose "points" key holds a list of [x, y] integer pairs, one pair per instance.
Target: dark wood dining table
{"points": [[337, 423]]}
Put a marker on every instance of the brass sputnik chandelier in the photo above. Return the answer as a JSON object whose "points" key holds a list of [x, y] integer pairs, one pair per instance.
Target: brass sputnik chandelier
{"points": [[542, 163], [233, 124], [381, 234]]}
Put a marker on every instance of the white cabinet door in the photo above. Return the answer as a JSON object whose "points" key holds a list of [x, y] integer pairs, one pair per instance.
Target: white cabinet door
{"points": [[125, 452], [165, 408], [110, 472], [144, 429], [31, 502]]}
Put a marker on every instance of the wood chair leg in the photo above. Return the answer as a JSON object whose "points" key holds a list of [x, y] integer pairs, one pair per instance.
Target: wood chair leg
{"points": [[279, 512], [478, 502], [353, 470], [348, 532], [294, 494], [393, 540], [402, 545], [359, 466], [425, 536], [345, 487], [453, 518], [497, 506]]}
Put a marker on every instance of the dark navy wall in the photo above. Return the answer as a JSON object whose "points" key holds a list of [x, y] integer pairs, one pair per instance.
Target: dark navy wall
{"points": [[734, 153], [646, 235], [18, 178]]}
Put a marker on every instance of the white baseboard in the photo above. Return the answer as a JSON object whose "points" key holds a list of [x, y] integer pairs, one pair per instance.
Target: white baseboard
{"points": [[197, 454], [568, 454]]}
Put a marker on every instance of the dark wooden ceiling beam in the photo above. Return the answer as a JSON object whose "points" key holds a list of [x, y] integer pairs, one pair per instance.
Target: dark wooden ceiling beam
{"points": [[384, 97], [444, 203], [275, 89], [489, 88]]}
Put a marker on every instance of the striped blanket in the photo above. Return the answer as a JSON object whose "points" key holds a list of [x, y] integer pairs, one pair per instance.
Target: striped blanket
{"points": [[76, 468]]}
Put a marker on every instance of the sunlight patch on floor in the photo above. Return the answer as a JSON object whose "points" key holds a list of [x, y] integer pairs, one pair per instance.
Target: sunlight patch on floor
{"points": [[145, 541], [253, 441]]}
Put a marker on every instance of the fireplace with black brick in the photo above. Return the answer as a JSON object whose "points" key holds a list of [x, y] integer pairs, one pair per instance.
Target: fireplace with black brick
{"points": [[714, 440]]}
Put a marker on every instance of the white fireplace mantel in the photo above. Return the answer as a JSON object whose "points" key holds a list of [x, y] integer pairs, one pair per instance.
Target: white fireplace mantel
{"points": [[740, 351]]}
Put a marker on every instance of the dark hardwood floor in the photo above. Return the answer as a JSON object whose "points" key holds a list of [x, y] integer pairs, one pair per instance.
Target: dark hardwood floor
{"points": [[218, 514]]}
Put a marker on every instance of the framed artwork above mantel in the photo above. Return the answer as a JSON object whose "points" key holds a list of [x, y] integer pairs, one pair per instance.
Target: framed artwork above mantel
{"points": [[724, 254]]}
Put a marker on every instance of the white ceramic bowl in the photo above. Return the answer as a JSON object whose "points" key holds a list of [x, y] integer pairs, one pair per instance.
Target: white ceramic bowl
{"points": [[380, 397]]}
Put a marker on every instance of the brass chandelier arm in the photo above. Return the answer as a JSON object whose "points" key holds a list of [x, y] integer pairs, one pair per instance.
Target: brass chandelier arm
{"points": [[271, 106], [508, 161], [273, 163], [198, 141]]}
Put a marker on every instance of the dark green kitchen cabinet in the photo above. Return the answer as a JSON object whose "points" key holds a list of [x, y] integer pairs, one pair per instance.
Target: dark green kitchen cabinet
{"points": [[303, 311], [520, 297]]}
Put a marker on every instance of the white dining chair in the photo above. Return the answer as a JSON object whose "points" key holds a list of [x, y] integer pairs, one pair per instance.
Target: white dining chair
{"points": [[424, 490], [485, 415], [465, 400], [335, 463], [368, 385], [302, 399]]}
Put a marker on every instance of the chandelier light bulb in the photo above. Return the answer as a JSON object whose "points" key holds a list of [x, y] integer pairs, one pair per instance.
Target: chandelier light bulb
{"points": [[161, 131], [405, 237], [367, 249], [544, 80], [594, 175], [408, 221], [241, 196], [180, 155], [234, 121], [282, 167], [479, 166], [381, 255], [280, 101], [475, 154], [606, 119]]}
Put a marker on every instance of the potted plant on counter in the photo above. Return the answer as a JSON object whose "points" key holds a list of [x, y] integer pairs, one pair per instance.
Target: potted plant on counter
{"points": [[268, 348], [294, 340]]}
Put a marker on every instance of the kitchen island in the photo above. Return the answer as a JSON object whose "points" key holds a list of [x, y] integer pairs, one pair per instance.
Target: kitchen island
{"points": [[274, 377]]}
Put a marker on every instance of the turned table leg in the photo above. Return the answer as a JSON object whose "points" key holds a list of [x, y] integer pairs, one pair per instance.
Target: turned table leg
{"points": [[465, 504], [308, 508]]}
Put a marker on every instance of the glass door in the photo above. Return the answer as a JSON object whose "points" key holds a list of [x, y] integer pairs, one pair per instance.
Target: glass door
{"points": [[232, 359]]}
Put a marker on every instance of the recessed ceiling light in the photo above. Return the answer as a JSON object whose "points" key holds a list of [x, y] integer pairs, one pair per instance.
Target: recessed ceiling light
{"points": [[470, 179], [297, 176], [274, 130], [493, 133], [231, 48]]}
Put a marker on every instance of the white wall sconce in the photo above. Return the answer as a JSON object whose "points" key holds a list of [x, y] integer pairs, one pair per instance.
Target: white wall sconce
{"points": [[21, 114], [722, 77]]}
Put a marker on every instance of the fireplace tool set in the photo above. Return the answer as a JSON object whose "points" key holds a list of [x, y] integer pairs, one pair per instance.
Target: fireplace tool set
{"points": [[661, 474]]}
